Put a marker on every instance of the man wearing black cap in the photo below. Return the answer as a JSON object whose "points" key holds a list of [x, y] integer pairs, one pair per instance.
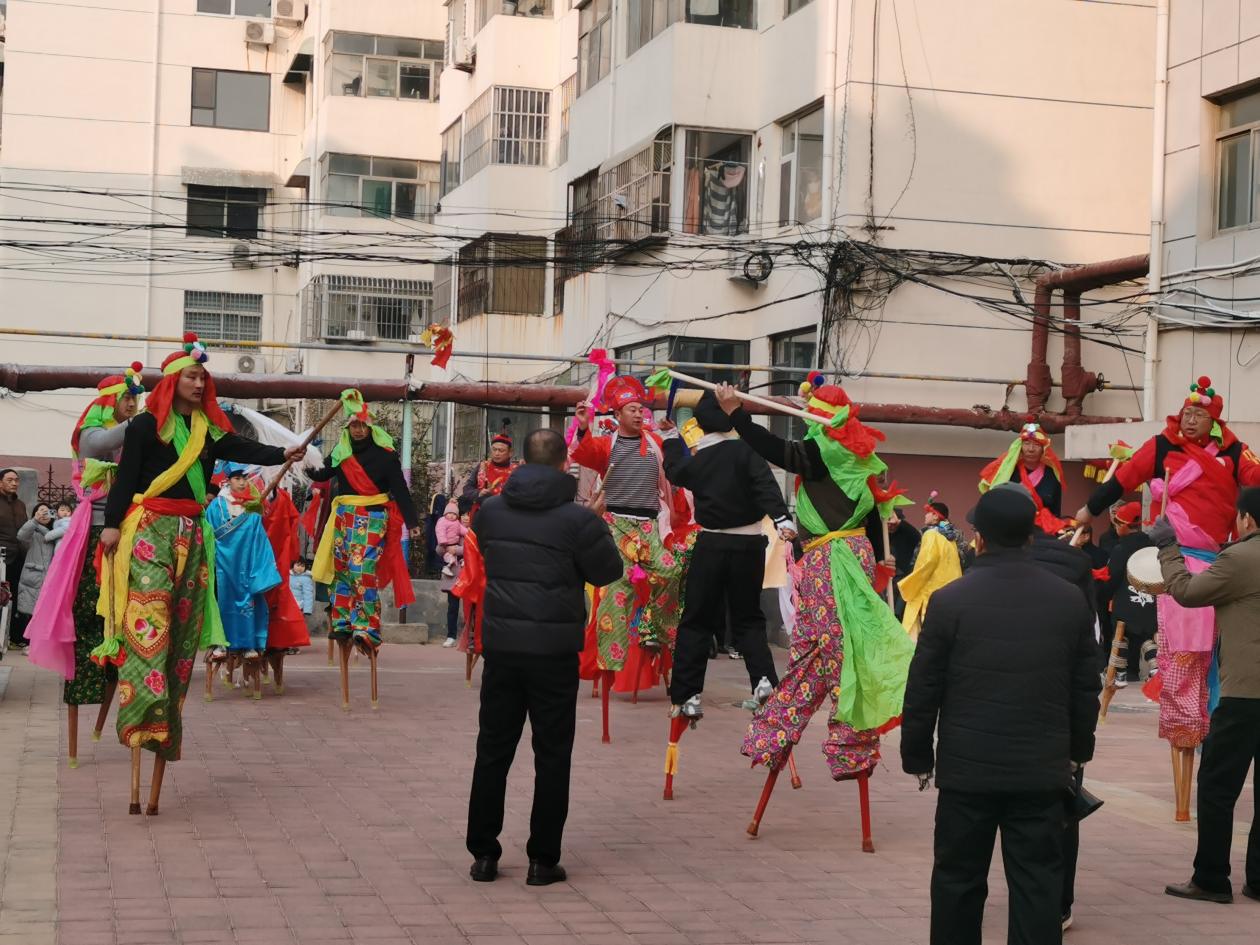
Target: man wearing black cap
{"points": [[733, 490], [1005, 667]]}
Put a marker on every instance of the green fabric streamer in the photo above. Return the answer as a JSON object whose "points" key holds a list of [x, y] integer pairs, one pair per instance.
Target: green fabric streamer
{"points": [[212, 633], [98, 415], [877, 650], [660, 380], [1007, 469], [97, 472], [343, 448]]}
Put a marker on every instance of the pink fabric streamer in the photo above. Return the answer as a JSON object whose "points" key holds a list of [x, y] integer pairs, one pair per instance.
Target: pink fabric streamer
{"points": [[1185, 629], [51, 628], [598, 357]]}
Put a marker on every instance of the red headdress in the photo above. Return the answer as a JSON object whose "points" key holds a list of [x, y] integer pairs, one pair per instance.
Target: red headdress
{"points": [[1202, 395], [100, 412], [625, 389], [825, 400], [160, 401], [1128, 514]]}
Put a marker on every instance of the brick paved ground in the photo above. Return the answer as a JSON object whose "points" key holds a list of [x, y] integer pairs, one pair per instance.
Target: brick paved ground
{"points": [[289, 821]]}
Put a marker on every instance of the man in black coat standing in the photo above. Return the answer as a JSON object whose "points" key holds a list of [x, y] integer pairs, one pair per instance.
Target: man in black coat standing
{"points": [[540, 549], [1005, 672]]}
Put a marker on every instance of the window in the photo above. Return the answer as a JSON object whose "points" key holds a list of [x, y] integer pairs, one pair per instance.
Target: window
{"points": [[647, 19], [568, 91], [502, 274], [451, 141], [358, 308], [506, 125], [595, 30], [488, 8], [224, 211], [715, 198], [797, 349], [628, 201], [800, 170], [394, 67], [235, 7], [1237, 147], [792, 6], [357, 185], [240, 100], [223, 316], [708, 350]]}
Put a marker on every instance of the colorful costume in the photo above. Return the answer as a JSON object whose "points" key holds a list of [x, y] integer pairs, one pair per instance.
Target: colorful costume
{"points": [[360, 551], [65, 628], [158, 588], [634, 620], [937, 562], [489, 476], [1044, 481], [1196, 487], [244, 561], [846, 643]]}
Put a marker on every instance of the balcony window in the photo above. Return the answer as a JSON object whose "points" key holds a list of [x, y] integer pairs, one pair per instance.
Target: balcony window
{"points": [[792, 6], [506, 125], [389, 67], [364, 308], [235, 7], [628, 201], [595, 28], [568, 91], [502, 274], [223, 316], [1237, 151], [647, 19], [223, 99], [358, 185], [224, 211], [800, 170], [715, 196], [489, 8]]}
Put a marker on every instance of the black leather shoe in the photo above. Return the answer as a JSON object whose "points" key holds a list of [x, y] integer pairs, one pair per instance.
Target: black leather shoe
{"points": [[484, 870], [540, 875], [1251, 892], [1191, 891]]}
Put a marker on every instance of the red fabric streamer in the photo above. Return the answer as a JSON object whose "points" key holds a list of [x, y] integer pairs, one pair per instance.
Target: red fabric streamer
{"points": [[286, 626]]}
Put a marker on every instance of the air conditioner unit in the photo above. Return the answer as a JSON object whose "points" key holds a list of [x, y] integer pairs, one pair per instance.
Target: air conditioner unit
{"points": [[246, 364], [260, 32], [242, 256], [293, 363], [290, 11], [356, 334], [464, 57], [749, 268]]}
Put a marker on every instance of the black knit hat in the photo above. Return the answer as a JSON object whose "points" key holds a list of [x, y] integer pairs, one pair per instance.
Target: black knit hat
{"points": [[1005, 515], [710, 415]]}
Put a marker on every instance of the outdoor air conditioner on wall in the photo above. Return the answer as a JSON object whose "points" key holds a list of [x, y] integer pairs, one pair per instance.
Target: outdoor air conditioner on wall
{"points": [[290, 11], [242, 257], [356, 334], [260, 32], [246, 364], [464, 57]]}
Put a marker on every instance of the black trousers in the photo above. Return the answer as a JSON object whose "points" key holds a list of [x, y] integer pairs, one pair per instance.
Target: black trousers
{"points": [[1032, 853], [513, 686], [726, 575], [14, 560], [1231, 747], [452, 615]]}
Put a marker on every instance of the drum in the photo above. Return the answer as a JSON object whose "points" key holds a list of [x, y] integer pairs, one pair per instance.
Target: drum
{"points": [[1144, 572]]}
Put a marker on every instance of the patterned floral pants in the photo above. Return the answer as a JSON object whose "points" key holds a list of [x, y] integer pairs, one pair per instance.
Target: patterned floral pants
{"points": [[88, 685], [358, 541], [161, 631], [813, 674]]}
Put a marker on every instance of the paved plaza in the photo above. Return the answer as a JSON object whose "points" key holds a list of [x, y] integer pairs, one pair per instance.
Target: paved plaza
{"points": [[291, 821]]}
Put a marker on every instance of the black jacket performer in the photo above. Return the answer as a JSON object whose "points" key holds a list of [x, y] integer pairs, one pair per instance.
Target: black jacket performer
{"points": [[540, 549], [1006, 675], [733, 491]]}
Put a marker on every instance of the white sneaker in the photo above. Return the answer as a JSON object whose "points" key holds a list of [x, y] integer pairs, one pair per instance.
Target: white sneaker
{"points": [[1121, 682], [447, 572], [450, 642], [1067, 921], [763, 690]]}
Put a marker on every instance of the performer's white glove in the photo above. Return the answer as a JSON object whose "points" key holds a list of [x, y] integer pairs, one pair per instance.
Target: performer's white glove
{"points": [[787, 530]]}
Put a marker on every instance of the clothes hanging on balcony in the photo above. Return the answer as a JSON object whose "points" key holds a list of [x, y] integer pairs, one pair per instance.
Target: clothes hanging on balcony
{"points": [[722, 205]]}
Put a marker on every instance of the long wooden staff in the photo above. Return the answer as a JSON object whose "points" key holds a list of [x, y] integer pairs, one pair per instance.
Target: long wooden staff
{"points": [[310, 437], [752, 398]]}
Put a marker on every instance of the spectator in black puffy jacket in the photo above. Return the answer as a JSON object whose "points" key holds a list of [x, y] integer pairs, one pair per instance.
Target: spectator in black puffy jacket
{"points": [[1005, 673], [539, 549]]}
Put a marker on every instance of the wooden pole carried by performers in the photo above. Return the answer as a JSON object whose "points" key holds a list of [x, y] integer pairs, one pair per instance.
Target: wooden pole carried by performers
{"points": [[305, 444]]}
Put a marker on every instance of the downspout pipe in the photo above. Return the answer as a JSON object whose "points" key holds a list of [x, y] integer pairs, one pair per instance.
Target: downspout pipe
{"points": [[1077, 382], [1155, 280]]}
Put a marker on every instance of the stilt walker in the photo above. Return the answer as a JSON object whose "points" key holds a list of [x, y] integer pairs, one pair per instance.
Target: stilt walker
{"points": [[846, 643], [1195, 468], [1031, 461], [360, 552], [65, 627], [158, 588]]}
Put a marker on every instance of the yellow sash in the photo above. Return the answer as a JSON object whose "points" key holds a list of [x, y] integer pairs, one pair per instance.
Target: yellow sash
{"points": [[118, 568], [839, 533], [322, 569]]}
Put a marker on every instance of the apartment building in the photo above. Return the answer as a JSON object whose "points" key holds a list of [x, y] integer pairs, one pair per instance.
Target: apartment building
{"points": [[247, 169], [685, 164]]}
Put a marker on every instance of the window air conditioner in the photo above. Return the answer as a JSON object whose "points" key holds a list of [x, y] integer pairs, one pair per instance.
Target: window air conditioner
{"points": [[290, 11], [242, 257], [293, 363], [246, 364], [356, 334], [465, 55], [260, 32]]}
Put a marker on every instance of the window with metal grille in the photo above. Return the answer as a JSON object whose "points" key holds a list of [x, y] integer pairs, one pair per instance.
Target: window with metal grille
{"points": [[506, 125], [502, 274], [451, 142], [225, 99], [568, 91], [224, 211], [397, 67], [360, 308], [359, 185], [223, 316]]}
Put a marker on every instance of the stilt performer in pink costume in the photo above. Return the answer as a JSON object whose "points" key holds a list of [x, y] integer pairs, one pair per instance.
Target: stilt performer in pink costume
{"points": [[847, 643]]}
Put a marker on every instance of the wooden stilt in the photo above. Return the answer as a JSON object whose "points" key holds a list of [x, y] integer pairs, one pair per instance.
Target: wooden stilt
{"points": [[373, 655], [331, 644], [864, 801], [795, 775], [1109, 686], [135, 780], [111, 687], [1184, 783], [211, 669], [255, 669], [595, 687], [470, 660], [155, 789], [345, 674], [677, 726], [277, 671], [766, 791], [72, 735], [1178, 774], [604, 694]]}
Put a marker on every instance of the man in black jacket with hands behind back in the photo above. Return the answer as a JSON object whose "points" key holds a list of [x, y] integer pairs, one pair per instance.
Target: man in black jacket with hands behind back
{"points": [[1005, 672], [540, 549]]}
